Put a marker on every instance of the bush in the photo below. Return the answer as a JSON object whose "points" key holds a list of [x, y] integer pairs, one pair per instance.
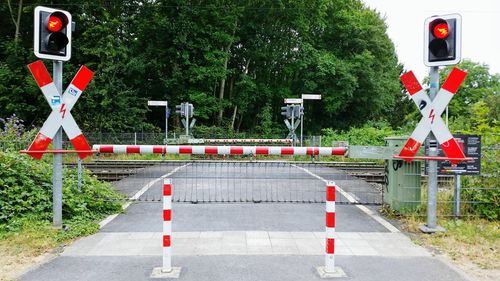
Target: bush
{"points": [[215, 132], [13, 134], [370, 134], [26, 189], [26, 185], [483, 192]]}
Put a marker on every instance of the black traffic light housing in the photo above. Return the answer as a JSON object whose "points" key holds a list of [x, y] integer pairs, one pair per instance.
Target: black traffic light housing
{"points": [[180, 109], [286, 111], [298, 110], [189, 109], [52, 34], [442, 40]]}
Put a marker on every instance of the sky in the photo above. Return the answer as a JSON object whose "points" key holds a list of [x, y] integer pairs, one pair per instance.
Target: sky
{"points": [[405, 21]]}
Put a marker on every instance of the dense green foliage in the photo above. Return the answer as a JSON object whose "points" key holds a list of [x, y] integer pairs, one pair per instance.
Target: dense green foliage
{"points": [[369, 134], [26, 187], [234, 60]]}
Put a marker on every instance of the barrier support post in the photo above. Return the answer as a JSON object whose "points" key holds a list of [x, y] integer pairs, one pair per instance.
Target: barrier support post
{"points": [[330, 270]]}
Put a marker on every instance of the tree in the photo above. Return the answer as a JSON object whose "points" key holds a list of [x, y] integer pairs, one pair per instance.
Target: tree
{"points": [[231, 59], [478, 85]]}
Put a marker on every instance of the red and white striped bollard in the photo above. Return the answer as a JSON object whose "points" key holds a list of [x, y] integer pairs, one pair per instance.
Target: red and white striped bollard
{"points": [[330, 227], [167, 225]]}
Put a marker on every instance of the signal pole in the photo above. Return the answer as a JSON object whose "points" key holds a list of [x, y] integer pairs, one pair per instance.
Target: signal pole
{"points": [[186, 106], [442, 46], [431, 225], [57, 162]]}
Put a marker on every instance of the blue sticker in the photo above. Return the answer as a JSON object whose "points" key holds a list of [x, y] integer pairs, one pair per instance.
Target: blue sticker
{"points": [[56, 100], [73, 91]]}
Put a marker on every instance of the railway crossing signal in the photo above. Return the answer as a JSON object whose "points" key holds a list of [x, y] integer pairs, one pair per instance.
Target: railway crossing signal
{"points": [[442, 40], [292, 112], [286, 111], [186, 110], [52, 34], [431, 115], [179, 109], [61, 106]]}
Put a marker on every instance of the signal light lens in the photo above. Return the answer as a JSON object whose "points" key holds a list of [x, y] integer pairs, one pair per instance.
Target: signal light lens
{"points": [[441, 30], [56, 42], [54, 24]]}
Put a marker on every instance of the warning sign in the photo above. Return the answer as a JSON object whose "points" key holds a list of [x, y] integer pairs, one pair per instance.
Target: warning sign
{"points": [[471, 146]]}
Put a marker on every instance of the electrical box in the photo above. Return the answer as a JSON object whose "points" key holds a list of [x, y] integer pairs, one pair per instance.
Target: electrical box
{"points": [[402, 188]]}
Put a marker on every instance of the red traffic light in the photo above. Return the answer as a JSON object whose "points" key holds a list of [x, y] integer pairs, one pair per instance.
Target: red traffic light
{"points": [[441, 30], [54, 23], [52, 34], [442, 40]]}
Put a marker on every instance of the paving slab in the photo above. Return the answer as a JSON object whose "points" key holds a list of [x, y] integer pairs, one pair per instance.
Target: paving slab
{"points": [[243, 243]]}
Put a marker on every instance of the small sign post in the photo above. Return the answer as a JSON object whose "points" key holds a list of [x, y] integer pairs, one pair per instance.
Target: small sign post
{"points": [[167, 113], [306, 97]]}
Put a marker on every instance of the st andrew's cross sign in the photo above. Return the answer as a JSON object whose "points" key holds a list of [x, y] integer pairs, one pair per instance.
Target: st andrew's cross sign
{"points": [[61, 106], [431, 116]]}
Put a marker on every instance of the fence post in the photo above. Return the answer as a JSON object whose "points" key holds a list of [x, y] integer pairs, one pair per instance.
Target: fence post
{"points": [[330, 227], [79, 180], [456, 204]]}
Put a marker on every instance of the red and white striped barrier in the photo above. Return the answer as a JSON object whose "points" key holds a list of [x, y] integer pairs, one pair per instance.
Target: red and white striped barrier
{"points": [[167, 225], [219, 150], [287, 141], [61, 106], [330, 228], [431, 115]]}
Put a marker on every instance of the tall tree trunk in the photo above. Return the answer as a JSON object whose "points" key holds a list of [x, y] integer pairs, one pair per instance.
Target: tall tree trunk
{"points": [[231, 87], [18, 21], [239, 123], [223, 83], [234, 116], [235, 111], [230, 96]]}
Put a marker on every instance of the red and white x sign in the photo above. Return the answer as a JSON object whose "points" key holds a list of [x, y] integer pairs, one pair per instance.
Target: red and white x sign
{"points": [[431, 115], [61, 110]]}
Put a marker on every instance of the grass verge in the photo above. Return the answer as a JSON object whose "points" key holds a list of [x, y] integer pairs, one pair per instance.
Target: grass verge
{"points": [[473, 244], [27, 241]]}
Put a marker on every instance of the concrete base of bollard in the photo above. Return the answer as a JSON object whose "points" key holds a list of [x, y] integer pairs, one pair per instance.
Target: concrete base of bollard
{"points": [[425, 229], [339, 273], [159, 273]]}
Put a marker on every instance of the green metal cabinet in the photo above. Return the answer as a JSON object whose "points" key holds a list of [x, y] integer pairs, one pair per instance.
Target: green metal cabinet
{"points": [[402, 188]]}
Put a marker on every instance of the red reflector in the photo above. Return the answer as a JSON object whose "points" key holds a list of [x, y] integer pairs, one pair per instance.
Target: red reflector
{"points": [[54, 24], [441, 30]]}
